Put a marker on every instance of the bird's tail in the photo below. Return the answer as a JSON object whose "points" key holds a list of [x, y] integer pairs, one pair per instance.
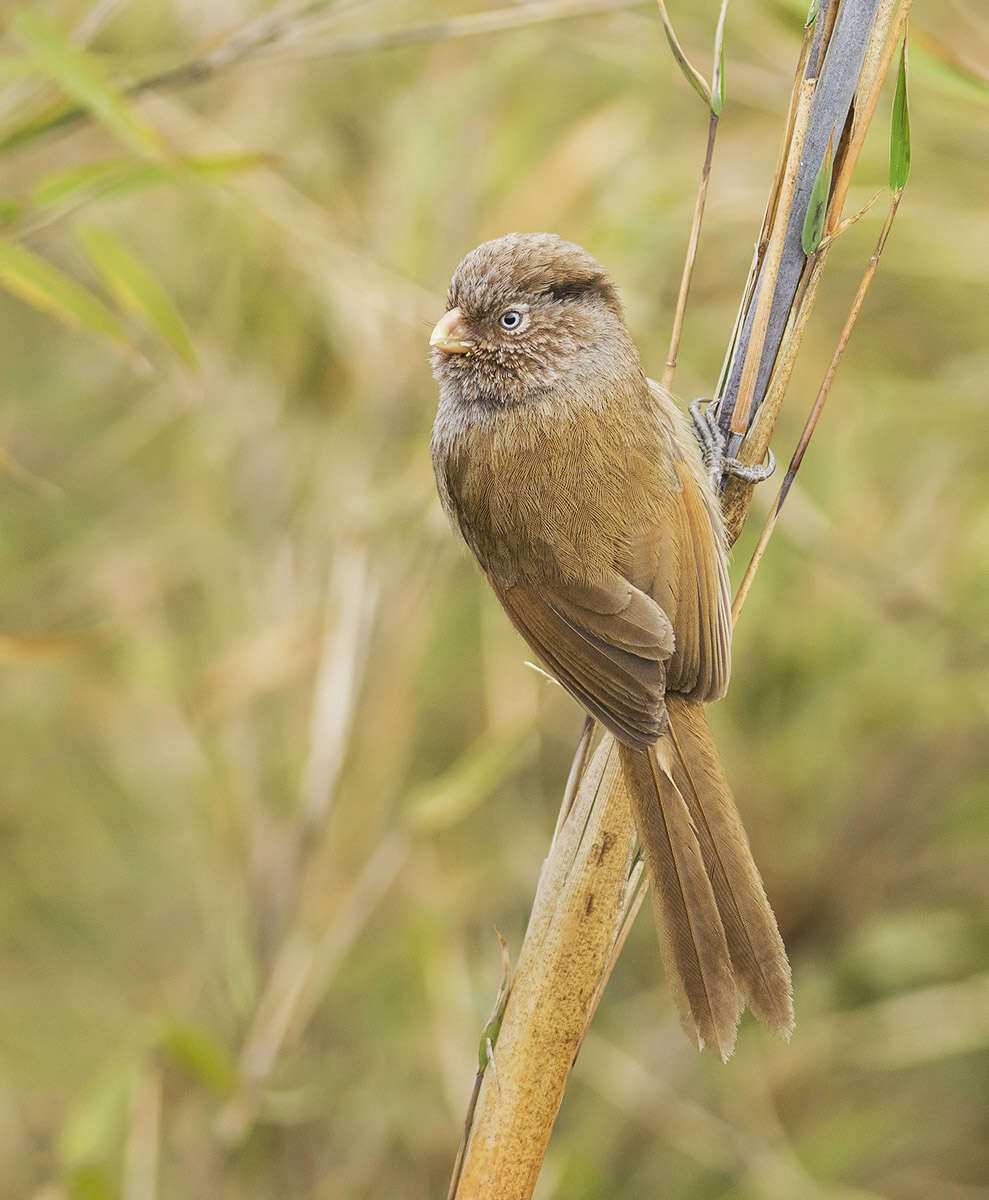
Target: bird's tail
{"points": [[718, 935]]}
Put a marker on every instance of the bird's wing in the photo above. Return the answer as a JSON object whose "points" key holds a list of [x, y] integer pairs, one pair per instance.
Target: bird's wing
{"points": [[680, 562], [678, 558], [608, 644]]}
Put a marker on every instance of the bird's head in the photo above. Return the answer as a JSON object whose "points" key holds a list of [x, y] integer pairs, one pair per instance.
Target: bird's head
{"points": [[528, 313]]}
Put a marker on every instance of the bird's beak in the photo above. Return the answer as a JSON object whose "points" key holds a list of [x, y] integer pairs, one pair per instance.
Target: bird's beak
{"points": [[451, 334]]}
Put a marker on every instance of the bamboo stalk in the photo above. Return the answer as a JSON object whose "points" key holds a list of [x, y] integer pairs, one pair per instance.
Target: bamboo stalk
{"points": [[841, 57], [556, 984], [774, 256], [814, 416], [886, 32]]}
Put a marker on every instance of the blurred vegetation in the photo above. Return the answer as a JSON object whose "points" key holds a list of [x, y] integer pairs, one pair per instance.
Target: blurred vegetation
{"points": [[273, 767]]}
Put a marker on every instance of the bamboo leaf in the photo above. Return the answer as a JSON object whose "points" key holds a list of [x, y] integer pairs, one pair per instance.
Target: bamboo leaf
{"points": [[718, 78], [718, 85], [35, 281], [93, 1126], [812, 12], [817, 206], [489, 1035], [94, 177], [81, 75], [136, 289], [690, 73], [122, 175], [201, 1057], [899, 131], [91, 1181], [217, 167]]}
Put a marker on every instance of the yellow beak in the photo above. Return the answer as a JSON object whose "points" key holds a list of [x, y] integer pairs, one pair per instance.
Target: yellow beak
{"points": [[451, 334]]}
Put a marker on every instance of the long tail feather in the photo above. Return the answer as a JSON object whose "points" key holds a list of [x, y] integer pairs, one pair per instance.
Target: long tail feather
{"points": [[691, 935], [754, 943]]}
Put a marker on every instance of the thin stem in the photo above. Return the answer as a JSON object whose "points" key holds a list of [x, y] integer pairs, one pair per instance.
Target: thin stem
{"points": [[273, 40], [688, 265], [814, 415]]}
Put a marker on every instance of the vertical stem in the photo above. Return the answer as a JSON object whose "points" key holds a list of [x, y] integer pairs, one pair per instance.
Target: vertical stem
{"points": [[556, 985], [688, 265], [814, 415]]}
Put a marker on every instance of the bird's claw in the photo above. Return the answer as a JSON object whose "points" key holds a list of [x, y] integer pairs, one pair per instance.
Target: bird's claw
{"points": [[719, 465]]}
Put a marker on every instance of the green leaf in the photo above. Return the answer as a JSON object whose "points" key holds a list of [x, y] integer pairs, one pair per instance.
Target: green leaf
{"points": [[899, 130], [136, 290], [817, 206], [489, 1034], [201, 1057], [35, 281], [96, 178], [95, 1123], [91, 1182], [812, 12], [122, 175], [81, 75], [718, 84], [216, 167], [690, 73]]}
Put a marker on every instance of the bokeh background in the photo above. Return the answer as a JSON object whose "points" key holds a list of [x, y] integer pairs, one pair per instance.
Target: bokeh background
{"points": [[273, 768]]}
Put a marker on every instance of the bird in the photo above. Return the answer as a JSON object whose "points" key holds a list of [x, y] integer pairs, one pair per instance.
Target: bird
{"points": [[579, 488]]}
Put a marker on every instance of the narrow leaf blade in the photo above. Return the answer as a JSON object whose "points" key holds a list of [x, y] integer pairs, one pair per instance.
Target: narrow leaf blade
{"points": [[201, 1057], [37, 282], [817, 207], [899, 131], [92, 178], [690, 73], [123, 175], [136, 290], [718, 78], [81, 75], [718, 85]]}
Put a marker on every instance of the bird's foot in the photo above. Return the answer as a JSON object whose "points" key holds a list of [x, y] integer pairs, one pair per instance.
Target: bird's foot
{"points": [[719, 465]]}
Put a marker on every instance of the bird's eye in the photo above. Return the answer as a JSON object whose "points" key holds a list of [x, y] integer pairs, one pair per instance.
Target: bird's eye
{"points": [[510, 320]]}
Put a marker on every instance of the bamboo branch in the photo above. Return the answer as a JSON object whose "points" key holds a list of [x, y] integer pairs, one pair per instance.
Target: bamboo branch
{"points": [[882, 40], [814, 415], [833, 89], [557, 980]]}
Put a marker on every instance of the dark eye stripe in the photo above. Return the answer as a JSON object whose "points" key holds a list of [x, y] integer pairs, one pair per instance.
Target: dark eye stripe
{"points": [[591, 284]]}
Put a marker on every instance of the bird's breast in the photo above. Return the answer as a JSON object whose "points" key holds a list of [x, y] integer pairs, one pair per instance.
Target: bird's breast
{"points": [[541, 494]]}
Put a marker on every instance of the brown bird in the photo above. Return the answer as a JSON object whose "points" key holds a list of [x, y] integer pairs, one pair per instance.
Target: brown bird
{"points": [[579, 487]]}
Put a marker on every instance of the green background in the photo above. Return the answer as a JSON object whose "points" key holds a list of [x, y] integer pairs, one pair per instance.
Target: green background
{"points": [[273, 768]]}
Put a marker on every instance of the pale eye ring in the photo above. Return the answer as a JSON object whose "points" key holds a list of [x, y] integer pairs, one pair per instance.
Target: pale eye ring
{"points": [[510, 320]]}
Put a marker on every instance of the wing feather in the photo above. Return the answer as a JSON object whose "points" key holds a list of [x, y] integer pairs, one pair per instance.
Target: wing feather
{"points": [[608, 645]]}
